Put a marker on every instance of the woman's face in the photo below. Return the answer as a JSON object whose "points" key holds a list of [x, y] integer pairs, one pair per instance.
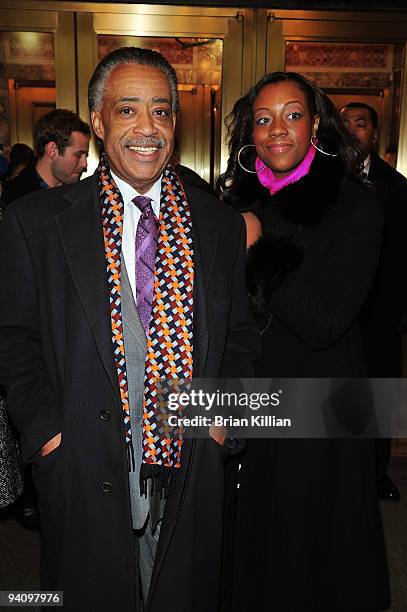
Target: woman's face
{"points": [[282, 126]]}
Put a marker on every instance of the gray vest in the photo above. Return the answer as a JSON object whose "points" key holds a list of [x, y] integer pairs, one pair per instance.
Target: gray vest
{"points": [[135, 351]]}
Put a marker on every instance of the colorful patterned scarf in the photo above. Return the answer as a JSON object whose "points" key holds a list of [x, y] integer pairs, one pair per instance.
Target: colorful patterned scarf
{"points": [[169, 341]]}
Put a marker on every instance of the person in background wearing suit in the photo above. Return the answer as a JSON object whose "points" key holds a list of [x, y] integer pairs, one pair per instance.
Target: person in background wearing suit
{"points": [[61, 146], [112, 282], [386, 307]]}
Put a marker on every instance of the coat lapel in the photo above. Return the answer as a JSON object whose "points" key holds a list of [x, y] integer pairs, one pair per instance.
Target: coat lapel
{"points": [[205, 236], [80, 229]]}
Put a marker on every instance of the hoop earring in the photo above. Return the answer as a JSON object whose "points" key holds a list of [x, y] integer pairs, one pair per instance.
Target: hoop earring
{"points": [[321, 151], [242, 166]]}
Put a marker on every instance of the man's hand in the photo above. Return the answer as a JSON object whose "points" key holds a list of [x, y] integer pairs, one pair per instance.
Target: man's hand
{"points": [[51, 445], [219, 433]]}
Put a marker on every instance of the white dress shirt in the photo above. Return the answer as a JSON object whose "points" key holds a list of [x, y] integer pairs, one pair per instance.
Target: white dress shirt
{"points": [[366, 165], [131, 218]]}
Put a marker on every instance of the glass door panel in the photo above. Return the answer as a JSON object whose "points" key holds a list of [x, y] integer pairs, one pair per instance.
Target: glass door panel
{"points": [[37, 68], [27, 82], [352, 57], [356, 72], [204, 45], [198, 64]]}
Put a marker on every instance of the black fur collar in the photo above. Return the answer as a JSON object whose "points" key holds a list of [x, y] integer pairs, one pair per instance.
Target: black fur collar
{"points": [[305, 202], [284, 217]]}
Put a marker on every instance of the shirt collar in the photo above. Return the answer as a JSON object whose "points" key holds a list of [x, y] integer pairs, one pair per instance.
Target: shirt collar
{"points": [[43, 184], [366, 165], [129, 193]]}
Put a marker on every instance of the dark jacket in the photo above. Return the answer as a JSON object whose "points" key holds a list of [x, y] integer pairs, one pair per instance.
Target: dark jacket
{"points": [[56, 360], [320, 249], [192, 178], [26, 182], [384, 313], [309, 533]]}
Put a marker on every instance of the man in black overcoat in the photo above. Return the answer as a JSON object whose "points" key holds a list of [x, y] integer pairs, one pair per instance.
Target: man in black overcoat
{"points": [[383, 314], [60, 359]]}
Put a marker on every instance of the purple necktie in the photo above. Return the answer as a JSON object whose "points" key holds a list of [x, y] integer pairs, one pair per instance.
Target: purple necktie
{"points": [[146, 247]]}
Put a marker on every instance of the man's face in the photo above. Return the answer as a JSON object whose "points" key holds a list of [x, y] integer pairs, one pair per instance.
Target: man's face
{"points": [[136, 124], [359, 123], [68, 167]]}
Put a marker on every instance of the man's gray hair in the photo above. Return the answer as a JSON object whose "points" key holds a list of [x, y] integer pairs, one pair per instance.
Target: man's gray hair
{"points": [[129, 55]]}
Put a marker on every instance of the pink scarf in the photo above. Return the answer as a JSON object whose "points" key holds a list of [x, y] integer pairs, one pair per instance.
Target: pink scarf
{"points": [[274, 184]]}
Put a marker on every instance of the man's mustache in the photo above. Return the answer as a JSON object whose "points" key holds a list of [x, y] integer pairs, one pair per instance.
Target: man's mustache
{"points": [[146, 142]]}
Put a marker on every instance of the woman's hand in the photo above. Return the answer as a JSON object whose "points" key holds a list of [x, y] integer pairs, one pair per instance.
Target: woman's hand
{"points": [[253, 228]]}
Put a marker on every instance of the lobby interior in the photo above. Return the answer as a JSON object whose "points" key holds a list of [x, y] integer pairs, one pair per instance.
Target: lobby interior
{"points": [[48, 51]]}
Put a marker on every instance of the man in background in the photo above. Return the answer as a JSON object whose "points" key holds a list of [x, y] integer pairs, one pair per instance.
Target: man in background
{"points": [[61, 146], [385, 309]]}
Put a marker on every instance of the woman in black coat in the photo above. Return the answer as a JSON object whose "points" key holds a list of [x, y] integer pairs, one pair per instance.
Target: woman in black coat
{"points": [[308, 528]]}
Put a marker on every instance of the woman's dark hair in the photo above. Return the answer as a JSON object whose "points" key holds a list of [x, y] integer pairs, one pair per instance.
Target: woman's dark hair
{"points": [[235, 185], [20, 154]]}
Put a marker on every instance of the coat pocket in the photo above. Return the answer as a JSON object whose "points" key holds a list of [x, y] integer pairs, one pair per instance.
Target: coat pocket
{"points": [[221, 305]]}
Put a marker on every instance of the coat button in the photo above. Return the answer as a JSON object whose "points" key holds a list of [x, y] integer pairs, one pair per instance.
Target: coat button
{"points": [[106, 487], [105, 415]]}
